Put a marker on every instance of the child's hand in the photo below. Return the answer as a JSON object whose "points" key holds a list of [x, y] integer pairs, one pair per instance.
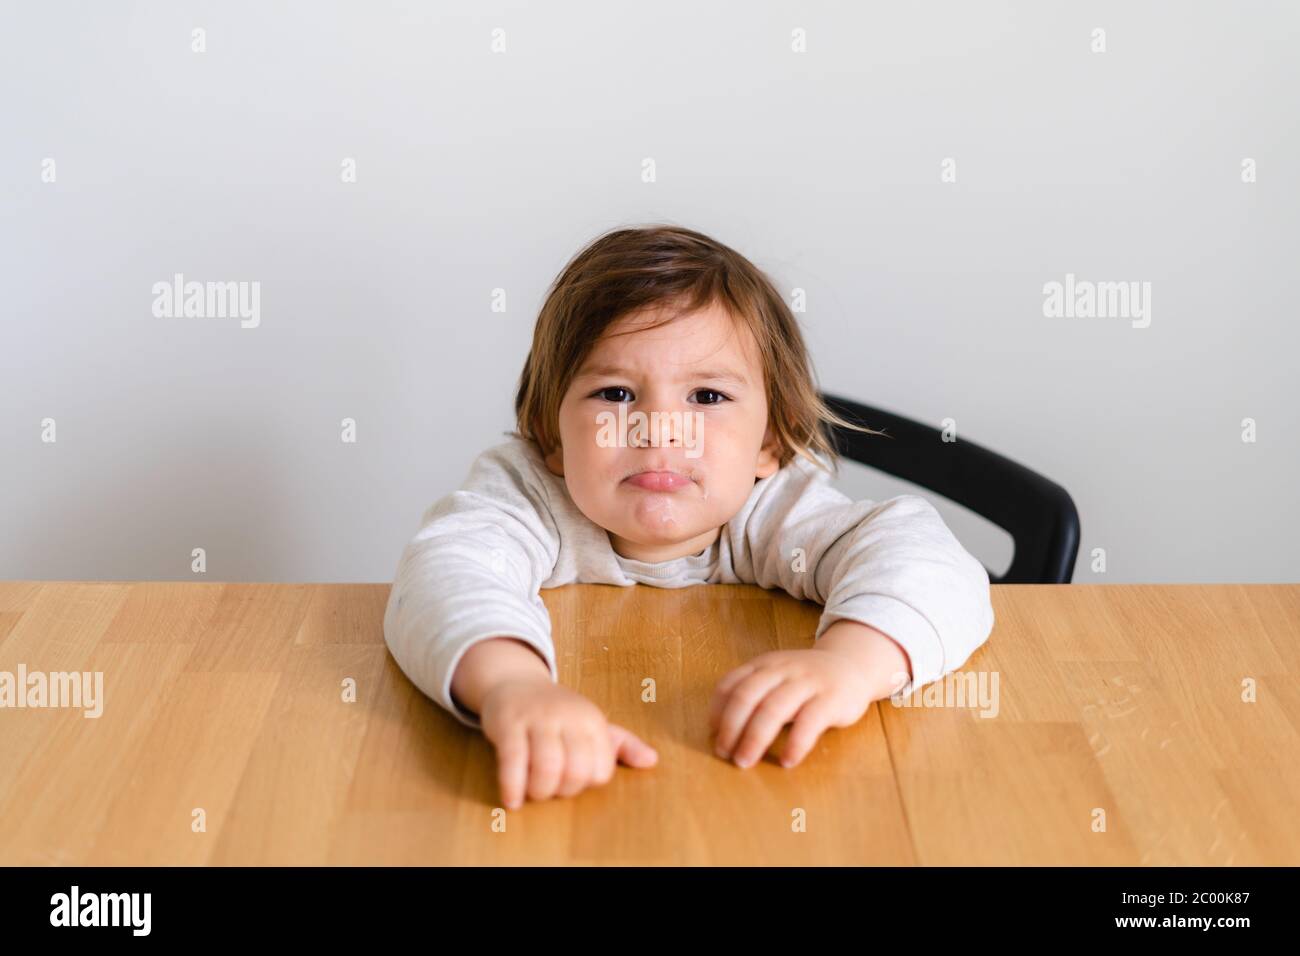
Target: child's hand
{"points": [[815, 688], [552, 741]]}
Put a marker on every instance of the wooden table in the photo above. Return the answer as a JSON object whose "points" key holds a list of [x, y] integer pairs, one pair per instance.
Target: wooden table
{"points": [[229, 699]]}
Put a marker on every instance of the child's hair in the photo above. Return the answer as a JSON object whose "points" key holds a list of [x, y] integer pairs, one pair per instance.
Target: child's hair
{"points": [[680, 270]]}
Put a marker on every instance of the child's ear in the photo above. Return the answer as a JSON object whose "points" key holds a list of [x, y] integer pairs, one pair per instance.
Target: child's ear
{"points": [[769, 456], [555, 461]]}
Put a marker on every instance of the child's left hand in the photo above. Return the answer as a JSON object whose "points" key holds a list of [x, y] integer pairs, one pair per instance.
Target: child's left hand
{"points": [[829, 685]]}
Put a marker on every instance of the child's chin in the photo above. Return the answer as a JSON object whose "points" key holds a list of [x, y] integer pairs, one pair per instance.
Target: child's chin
{"points": [[658, 532], [660, 518], [639, 533]]}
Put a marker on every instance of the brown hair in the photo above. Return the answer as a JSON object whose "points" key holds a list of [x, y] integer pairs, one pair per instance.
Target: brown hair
{"points": [[664, 266]]}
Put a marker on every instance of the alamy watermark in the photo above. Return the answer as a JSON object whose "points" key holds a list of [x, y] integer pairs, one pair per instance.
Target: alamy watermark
{"points": [[1085, 299], [75, 908], [614, 429], [83, 689], [179, 299], [965, 689]]}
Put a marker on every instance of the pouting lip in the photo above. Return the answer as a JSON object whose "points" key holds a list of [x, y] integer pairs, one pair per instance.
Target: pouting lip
{"points": [[641, 471]]}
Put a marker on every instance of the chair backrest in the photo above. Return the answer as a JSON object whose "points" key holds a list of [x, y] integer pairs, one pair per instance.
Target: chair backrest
{"points": [[1038, 513]]}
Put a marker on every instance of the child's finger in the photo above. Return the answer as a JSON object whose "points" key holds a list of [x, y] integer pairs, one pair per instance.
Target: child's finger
{"points": [[545, 761], [744, 697], [720, 693], [605, 758], [577, 764], [809, 724], [631, 749], [603, 761], [775, 711], [512, 767]]}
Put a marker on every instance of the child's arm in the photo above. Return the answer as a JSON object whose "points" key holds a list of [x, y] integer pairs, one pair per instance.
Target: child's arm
{"points": [[488, 664], [466, 624], [472, 573], [905, 603], [892, 565]]}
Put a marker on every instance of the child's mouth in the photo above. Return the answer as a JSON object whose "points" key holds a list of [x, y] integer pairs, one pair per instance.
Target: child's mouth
{"points": [[659, 480]]}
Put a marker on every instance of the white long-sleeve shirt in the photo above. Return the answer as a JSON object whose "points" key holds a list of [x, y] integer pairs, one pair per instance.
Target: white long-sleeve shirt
{"points": [[474, 569]]}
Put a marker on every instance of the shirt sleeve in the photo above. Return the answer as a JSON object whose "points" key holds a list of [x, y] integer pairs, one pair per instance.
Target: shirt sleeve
{"points": [[473, 571], [893, 565]]}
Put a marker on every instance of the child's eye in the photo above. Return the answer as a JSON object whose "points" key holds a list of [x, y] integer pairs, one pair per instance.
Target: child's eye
{"points": [[708, 391], [605, 393]]}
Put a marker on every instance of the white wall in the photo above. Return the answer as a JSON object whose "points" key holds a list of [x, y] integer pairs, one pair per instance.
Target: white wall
{"points": [[478, 170]]}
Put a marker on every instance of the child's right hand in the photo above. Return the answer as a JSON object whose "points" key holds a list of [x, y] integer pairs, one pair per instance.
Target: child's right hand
{"points": [[551, 741]]}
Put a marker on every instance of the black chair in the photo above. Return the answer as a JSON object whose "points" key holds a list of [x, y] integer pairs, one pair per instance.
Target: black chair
{"points": [[1038, 514]]}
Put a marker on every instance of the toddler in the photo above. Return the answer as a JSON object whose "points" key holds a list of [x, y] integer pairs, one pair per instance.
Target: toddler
{"points": [[728, 484]]}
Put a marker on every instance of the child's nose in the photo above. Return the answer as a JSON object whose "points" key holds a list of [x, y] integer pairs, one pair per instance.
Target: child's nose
{"points": [[663, 422], [661, 430], [669, 428]]}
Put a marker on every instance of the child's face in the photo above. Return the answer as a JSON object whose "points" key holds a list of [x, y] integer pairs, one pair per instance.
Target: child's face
{"points": [[718, 442]]}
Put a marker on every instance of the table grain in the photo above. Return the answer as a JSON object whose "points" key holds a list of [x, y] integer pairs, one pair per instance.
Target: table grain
{"points": [[1135, 725]]}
